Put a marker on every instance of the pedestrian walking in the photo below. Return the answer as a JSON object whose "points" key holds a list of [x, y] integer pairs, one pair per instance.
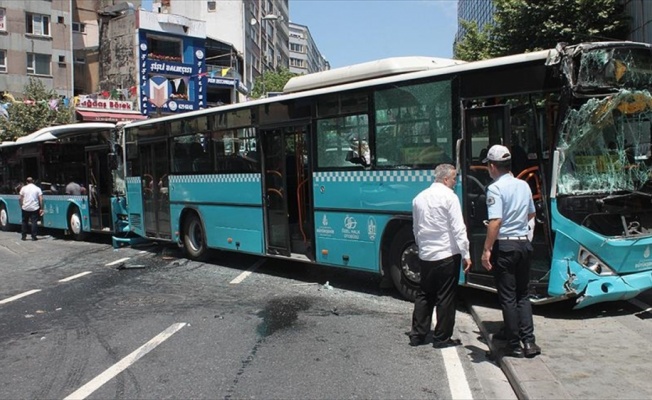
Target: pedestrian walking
{"points": [[507, 250], [31, 204], [440, 234]]}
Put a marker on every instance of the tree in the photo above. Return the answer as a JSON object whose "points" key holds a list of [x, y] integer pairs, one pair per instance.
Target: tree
{"points": [[476, 43], [528, 25], [40, 107], [271, 81]]}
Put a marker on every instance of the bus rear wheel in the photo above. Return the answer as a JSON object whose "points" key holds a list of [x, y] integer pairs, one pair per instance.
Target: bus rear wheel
{"points": [[194, 239], [404, 263], [75, 224], [4, 218]]}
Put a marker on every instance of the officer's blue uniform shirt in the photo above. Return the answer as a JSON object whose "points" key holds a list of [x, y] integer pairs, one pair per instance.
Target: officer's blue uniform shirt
{"points": [[510, 199]]}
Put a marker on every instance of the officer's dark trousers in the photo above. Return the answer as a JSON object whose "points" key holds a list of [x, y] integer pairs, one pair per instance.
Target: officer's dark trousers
{"points": [[511, 266], [439, 280]]}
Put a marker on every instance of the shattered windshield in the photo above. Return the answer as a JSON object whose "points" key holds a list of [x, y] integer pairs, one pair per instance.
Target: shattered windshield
{"points": [[629, 68], [605, 145]]}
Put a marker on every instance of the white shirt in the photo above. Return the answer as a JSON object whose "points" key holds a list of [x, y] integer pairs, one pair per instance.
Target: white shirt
{"points": [[30, 193], [438, 224]]}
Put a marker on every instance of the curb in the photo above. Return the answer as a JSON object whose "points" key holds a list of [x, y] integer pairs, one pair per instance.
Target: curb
{"points": [[529, 378]]}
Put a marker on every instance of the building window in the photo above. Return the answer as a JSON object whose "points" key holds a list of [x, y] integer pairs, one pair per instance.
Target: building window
{"points": [[211, 5], [78, 27], [38, 64], [38, 24], [297, 48], [80, 60], [3, 61], [295, 62], [164, 49], [3, 19]]}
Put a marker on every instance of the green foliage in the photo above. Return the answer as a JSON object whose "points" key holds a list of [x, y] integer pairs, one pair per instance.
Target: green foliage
{"points": [[528, 25], [475, 45], [33, 112], [271, 81], [521, 26]]}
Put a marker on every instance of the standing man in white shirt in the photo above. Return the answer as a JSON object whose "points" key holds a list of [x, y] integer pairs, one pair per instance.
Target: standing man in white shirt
{"points": [[31, 204], [440, 234]]}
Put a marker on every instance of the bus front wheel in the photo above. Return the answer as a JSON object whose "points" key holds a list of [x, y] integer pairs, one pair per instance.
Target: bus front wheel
{"points": [[194, 239], [4, 218], [404, 263], [75, 224]]}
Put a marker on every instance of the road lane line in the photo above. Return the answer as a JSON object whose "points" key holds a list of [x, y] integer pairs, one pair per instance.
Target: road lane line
{"points": [[641, 305], [74, 276], [116, 262], [18, 296], [125, 363], [455, 372], [248, 272]]}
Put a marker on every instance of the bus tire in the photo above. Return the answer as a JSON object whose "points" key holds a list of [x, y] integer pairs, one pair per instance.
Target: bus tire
{"points": [[75, 225], [4, 219], [194, 238], [404, 263]]}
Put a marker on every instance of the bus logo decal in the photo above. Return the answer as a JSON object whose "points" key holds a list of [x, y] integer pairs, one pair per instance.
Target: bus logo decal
{"points": [[350, 222], [646, 253], [324, 229], [371, 228], [349, 230]]}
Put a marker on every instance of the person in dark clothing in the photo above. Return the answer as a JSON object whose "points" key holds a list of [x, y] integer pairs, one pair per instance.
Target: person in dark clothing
{"points": [[507, 251]]}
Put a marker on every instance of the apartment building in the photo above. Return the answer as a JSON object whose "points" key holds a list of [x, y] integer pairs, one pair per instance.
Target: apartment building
{"points": [[36, 42], [305, 57]]}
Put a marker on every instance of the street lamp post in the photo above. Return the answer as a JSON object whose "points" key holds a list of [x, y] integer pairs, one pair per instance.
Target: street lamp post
{"points": [[273, 18]]}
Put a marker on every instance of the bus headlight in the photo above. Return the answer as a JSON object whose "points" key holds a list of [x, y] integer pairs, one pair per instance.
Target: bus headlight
{"points": [[593, 263]]}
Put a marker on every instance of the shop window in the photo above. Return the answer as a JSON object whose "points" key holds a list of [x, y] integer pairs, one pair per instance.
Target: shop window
{"points": [[164, 49]]}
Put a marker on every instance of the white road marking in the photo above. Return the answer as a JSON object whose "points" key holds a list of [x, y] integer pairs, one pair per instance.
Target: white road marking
{"points": [[641, 305], [18, 296], [116, 262], [125, 363], [248, 272], [74, 276], [455, 372], [142, 252]]}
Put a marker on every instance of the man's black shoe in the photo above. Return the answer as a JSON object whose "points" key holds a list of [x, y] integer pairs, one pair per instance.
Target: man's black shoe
{"points": [[531, 349], [416, 341], [34, 238], [442, 344], [516, 352]]}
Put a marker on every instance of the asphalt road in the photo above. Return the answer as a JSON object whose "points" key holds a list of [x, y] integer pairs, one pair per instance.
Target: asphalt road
{"points": [[141, 323]]}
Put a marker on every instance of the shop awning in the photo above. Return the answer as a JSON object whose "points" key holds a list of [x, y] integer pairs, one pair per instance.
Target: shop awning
{"points": [[109, 116]]}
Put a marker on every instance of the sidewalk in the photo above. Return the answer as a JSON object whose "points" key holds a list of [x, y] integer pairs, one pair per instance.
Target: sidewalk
{"points": [[601, 353]]}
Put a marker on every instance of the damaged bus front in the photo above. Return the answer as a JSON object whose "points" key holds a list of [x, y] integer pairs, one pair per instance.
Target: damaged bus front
{"points": [[601, 199]]}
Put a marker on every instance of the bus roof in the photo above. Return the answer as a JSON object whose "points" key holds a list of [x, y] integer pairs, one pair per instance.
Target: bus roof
{"points": [[461, 67], [365, 71], [54, 132]]}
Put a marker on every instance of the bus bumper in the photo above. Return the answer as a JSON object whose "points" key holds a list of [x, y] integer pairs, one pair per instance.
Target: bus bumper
{"points": [[614, 288]]}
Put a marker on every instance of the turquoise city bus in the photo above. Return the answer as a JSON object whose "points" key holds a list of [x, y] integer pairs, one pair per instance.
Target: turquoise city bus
{"points": [[84, 153], [326, 172]]}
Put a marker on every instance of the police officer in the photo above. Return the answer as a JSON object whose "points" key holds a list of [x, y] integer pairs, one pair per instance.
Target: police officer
{"points": [[507, 251]]}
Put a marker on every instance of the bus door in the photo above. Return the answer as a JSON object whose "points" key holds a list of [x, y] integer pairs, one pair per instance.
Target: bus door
{"points": [[154, 169], [484, 127], [98, 178], [286, 193]]}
